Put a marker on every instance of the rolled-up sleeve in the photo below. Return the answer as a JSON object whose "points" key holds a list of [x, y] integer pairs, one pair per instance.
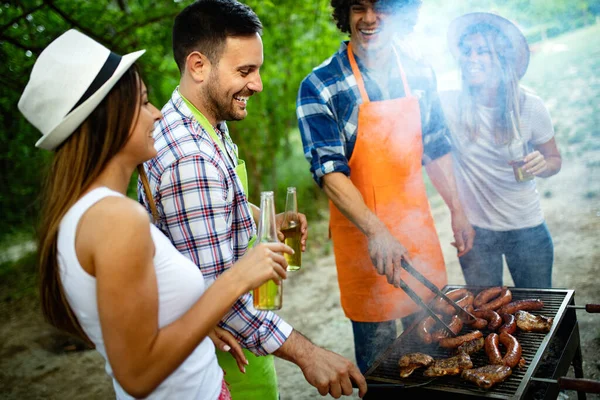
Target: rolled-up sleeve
{"points": [[321, 138], [194, 198]]}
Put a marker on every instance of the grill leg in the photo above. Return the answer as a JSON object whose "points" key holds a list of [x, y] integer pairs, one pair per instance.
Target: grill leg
{"points": [[578, 369]]}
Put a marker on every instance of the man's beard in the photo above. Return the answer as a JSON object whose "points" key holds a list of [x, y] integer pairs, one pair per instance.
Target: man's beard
{"points": [[217, 102]]}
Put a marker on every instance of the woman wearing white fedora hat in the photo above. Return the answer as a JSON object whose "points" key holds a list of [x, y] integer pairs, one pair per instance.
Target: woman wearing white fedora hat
{"points": [[502, 138], [106, 273]]}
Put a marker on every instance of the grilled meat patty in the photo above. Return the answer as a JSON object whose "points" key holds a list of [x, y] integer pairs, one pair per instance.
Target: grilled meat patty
{"points": [[487, 376], [529, 322], [449, 366]]}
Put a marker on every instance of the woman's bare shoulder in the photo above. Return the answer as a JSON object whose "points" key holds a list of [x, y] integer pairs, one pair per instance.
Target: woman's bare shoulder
{"points": [[117, 216]]}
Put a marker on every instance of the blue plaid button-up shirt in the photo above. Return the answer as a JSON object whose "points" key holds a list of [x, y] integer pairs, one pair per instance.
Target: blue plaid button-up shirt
{"points": [[205, 213], [327, 108]]}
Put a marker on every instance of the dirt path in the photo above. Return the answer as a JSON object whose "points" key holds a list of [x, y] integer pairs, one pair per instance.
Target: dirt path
{"points": [[34, 366]]}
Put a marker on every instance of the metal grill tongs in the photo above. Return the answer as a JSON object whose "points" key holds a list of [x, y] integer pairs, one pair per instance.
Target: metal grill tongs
{"points": [[465, 315]]}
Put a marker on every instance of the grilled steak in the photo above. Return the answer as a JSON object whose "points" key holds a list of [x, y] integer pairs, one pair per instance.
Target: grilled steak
{"points": [[487, 376], [470, 347], [410, 362], [529, 322], [449, 366]]}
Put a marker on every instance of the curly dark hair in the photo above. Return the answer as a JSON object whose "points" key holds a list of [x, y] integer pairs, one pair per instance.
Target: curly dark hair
{"points": [[406, 11]]}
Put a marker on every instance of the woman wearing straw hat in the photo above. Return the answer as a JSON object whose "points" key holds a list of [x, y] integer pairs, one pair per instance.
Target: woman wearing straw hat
{"points": [[502, 138], [107, 274]]}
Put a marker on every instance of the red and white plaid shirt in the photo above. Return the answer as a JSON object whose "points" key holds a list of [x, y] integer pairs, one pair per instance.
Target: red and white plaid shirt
{"points": [[205, 213]]}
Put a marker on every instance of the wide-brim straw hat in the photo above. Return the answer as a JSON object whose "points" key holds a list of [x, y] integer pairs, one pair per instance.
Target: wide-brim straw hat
{"points": [[520, 48], [68, 81]]}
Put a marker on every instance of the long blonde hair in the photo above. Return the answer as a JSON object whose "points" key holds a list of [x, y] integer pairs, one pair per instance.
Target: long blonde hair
{"points": [[509, 90], [76, 164]]}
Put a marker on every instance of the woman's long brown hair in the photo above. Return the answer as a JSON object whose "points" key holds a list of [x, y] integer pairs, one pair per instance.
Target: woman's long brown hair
{"points": [[76, 164], [509, 90]]}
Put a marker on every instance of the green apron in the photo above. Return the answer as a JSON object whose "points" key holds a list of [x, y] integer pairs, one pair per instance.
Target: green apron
{"points": [[260, 381]]}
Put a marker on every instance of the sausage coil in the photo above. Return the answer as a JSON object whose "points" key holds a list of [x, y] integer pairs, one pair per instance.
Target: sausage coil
{"points": [[510, 324], [486, 295], [462, 297], [503, 298], [452, 343], [525, 305], [493, 320], [492, 350], [513, 349]]}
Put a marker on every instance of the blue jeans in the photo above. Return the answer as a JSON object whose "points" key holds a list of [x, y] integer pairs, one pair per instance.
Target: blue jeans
{"points": [[371, 339], [529, 254]]}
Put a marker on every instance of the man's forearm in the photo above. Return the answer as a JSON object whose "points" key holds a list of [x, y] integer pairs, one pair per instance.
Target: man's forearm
{"points": [[441, 174], [346, 197], [296, 349]]}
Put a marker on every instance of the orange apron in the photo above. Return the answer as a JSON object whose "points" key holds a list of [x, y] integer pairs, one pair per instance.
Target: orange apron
{"points": [[386, 168]]}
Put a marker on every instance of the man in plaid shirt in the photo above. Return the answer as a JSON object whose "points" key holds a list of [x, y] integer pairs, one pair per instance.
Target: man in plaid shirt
{"points": [[369, 118], [200, 201]]}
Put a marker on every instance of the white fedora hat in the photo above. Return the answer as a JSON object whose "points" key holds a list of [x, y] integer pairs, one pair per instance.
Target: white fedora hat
{"points": [[68, 81], [518, 55]]}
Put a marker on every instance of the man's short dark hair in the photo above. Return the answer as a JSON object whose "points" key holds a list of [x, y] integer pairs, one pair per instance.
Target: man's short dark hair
{"points": [[205, 25], [408, 10]]}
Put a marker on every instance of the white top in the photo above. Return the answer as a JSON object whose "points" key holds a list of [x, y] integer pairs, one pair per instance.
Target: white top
{"points": [[180, 285], [491, 196]]}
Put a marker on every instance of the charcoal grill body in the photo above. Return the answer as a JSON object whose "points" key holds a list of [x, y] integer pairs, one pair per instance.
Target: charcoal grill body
{"points": [[547, 356]]}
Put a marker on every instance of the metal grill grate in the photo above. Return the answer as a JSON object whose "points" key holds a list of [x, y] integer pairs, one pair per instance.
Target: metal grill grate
{"points": [[386, 371]]}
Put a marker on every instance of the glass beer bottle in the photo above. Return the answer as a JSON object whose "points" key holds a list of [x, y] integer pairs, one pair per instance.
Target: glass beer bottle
{"points": [[268, 296], [517, 150], [291, 230]]}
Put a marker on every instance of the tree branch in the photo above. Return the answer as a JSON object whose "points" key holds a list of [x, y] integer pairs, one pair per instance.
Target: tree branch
{"points": [[16, 19], [75, 24], [124, 6], [141, 24]]}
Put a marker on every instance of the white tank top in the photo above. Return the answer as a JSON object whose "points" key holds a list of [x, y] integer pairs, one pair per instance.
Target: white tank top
{"points": [[180, 285], [490, 195]]}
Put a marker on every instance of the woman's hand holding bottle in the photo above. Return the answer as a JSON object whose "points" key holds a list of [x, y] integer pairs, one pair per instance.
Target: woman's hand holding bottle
{"points": [[262, 263]]}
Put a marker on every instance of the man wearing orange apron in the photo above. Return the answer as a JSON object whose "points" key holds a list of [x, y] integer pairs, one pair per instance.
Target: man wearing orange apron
{"points": [[370, 118]]}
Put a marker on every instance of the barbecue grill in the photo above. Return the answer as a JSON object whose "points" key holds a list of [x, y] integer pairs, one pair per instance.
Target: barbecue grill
{"points": [[548, 357]]}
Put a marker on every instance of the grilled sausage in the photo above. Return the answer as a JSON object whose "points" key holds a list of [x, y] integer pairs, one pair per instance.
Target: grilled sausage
{"points": [[477, 323], [502, 299], [486, 295], [513, 349], [526, 305], [452, 343], [510, 324], [455, 326], [463, 297], [493, 319], [423, 329], [492, 350]]}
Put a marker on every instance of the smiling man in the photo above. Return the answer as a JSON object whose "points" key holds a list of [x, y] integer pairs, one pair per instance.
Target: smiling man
{"points": [[370, 117], [199, 200]]}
